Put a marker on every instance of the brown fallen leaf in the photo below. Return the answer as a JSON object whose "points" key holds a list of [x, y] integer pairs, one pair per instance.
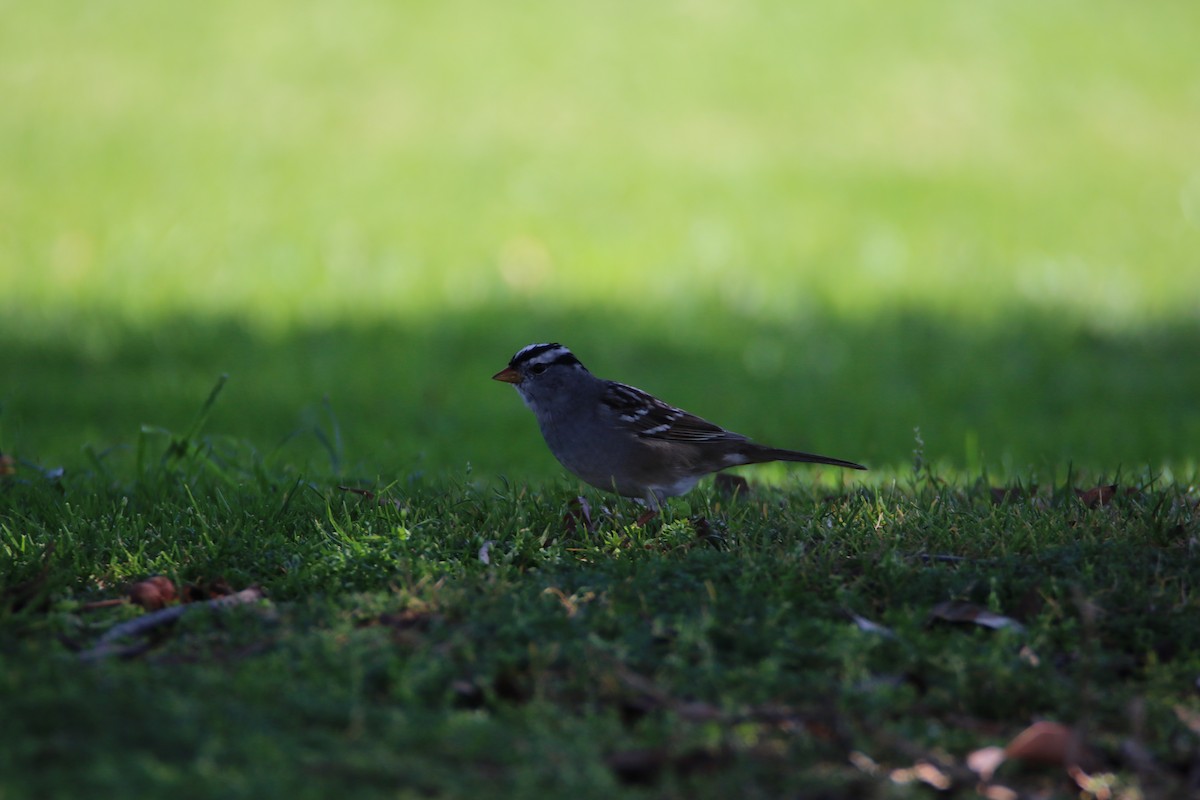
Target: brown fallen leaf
{"points": [[645, 517], [959, 611], [1046, 743], [8, 465], [1098, 496], [1041, 743]]}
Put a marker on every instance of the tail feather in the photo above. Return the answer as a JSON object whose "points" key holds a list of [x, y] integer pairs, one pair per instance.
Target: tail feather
{"points": [[759, 455]]}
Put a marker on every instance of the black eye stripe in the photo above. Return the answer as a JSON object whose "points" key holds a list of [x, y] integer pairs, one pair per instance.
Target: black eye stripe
{"points": [[566, 358]]}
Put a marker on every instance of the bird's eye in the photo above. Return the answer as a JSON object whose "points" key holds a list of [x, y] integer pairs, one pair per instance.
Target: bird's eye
{"points": [[538, 369]]}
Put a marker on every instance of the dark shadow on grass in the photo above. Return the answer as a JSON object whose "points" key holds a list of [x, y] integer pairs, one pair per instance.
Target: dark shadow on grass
{"points": [[1032, 393]]}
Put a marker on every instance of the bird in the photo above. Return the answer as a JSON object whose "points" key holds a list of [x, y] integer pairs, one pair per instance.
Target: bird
{"points": [[623, 440]]}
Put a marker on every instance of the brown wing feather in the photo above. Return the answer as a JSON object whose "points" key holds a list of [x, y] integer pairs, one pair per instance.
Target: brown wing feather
{"points": [[651, 418]]}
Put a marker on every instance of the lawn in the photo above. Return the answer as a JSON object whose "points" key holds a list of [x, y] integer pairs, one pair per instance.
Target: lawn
{"points": [[955, 243]]}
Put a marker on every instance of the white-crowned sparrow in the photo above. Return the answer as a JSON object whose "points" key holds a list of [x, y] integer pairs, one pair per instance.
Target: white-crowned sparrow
{"points": [[623, 440]]}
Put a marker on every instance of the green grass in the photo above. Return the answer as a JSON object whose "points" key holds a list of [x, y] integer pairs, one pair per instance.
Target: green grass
{"points": [[708, 653], [824, 227]]}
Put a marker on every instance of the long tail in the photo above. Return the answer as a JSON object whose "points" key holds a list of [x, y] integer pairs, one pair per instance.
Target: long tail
{"points": [[760, 454]]}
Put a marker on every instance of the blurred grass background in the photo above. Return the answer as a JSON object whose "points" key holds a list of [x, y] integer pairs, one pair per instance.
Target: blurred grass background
{"points": [[820, 225]]}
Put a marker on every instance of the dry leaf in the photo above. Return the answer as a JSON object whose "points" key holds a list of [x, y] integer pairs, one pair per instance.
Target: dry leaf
{"points": [[645, 517], [985, 761], [1048, 743], [1096, 786], [996, 792], [8, 465], [1042, 743], [924, 772], [864, 762], [957, 611], [1099, 496]]}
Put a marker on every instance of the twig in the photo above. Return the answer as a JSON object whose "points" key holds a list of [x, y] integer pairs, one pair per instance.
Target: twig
{"points": [[108, 645]]}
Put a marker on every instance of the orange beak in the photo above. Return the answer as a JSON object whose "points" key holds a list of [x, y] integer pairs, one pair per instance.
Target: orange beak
{"points": [[508, 375]]}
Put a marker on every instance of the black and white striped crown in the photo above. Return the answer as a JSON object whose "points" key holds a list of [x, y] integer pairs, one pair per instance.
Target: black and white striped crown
{"points": [[543, 355]]}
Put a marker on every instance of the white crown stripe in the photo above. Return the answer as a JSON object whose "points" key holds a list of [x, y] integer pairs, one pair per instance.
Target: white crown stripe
{"points": [[538, 353]]}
